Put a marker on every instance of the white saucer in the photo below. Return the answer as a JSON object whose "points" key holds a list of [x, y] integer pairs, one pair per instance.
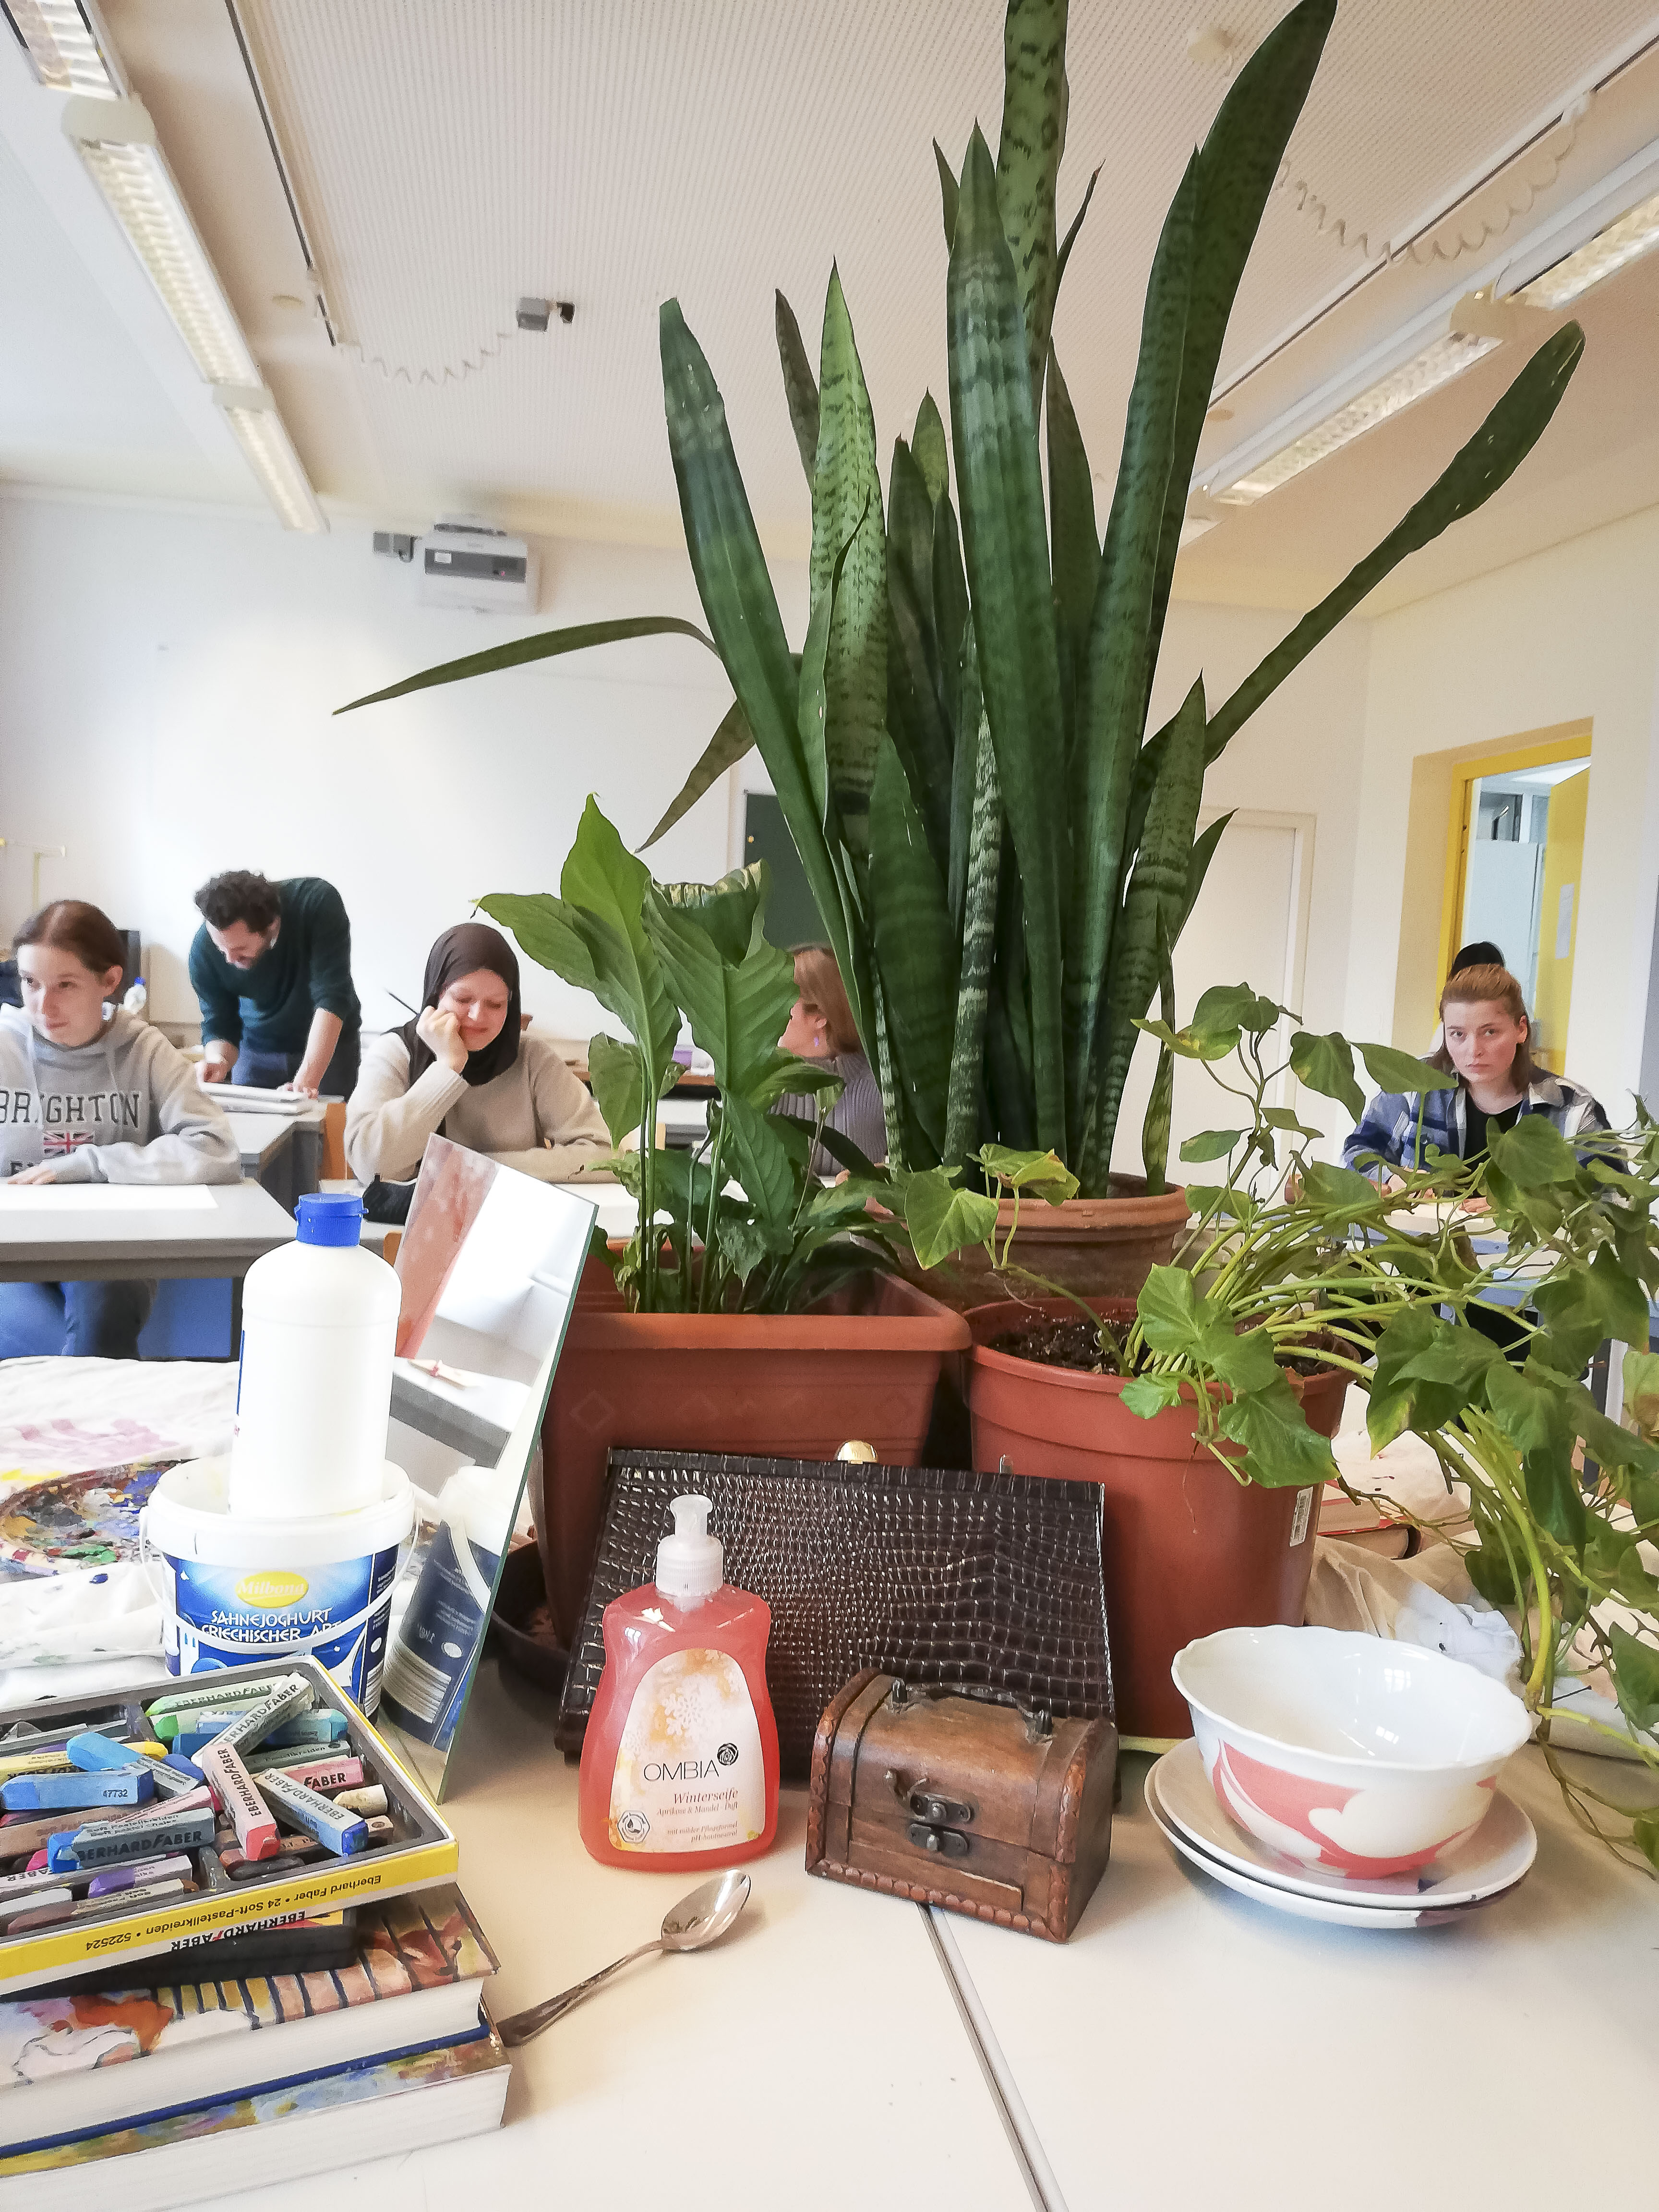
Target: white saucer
{"points": [[1493, 1859]]}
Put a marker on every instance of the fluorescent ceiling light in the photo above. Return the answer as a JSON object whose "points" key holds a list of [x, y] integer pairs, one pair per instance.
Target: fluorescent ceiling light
{"points": [[116, 139], [64, 44], [1602, 231], [251, 414], [1622, 242], [1425, 372]]}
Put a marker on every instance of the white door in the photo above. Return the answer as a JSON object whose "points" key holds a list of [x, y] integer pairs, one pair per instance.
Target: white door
{"points": [[1249, 925]]}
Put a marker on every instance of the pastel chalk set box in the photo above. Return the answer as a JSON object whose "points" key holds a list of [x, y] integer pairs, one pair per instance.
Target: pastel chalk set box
{"points": [[210, 1806]]}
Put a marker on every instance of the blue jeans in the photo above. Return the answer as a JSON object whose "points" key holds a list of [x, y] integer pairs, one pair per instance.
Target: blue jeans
{"points": [[85, 1321], [269, 1070]]}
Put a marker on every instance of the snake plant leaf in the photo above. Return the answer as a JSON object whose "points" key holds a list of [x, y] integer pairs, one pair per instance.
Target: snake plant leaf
{"points": [[978, 908], [1160, 1104], [1238, 164], [546, 645], [1156, 896], [1198, 867], [917, 718], [743, 615], [800, 384], [932, 454], [617, 1073], [732, 739], [1076, 547], [942, 1219], [964, 777], [1034, 104], [1112, 703], [1483, 466], [951, 612], [1005, 537], [1070, 239], [947, 192], [915, 950], [736, 1006], [846, 523]]}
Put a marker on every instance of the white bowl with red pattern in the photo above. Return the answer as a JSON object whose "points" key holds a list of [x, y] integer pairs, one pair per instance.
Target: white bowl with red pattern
{"points": [[1345, 1752]]}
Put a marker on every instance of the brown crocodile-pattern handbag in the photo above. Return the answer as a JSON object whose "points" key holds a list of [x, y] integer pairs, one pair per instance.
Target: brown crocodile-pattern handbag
{"points": [[941, 1575]]}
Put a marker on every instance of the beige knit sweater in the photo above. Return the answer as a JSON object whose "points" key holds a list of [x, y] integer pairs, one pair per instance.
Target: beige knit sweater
{"points": [[536, 1116]]}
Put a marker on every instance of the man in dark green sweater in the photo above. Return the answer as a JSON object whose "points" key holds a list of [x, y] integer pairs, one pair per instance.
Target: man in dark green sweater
{"points": [[271, 967]]}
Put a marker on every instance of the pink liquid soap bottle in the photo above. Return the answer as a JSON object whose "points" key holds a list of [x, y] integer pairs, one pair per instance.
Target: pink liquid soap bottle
{"points": [[680, 1760]]}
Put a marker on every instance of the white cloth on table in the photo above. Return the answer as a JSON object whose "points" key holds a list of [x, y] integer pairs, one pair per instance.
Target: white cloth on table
{"points": [[72, 1416], [91, 1630]]}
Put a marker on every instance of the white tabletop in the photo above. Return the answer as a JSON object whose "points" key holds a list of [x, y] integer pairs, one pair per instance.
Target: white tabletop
{"points": [[1189, 2048], [814, 2059], [97, 1233]]}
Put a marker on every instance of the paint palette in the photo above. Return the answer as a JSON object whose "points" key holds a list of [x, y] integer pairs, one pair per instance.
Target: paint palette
{"points": [[77, 1520], [191, 1881]]}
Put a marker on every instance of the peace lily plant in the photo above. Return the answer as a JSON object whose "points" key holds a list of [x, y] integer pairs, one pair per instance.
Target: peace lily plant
{"points": [[1291, 1261], [1002, 858]]}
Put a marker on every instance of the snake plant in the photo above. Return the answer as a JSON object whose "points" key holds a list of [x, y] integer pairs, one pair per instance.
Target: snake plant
{"points": [[1002, 857]]}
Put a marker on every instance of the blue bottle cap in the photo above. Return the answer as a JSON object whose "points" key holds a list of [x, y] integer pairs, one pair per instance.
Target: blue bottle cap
{"points": [[330, 1216]]}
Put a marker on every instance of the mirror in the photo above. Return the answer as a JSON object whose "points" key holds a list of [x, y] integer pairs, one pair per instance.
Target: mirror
{"points": [[489, 1264]]}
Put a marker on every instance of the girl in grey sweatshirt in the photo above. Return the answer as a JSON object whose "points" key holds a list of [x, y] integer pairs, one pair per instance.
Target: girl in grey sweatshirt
{"points": [[127, 1108]]}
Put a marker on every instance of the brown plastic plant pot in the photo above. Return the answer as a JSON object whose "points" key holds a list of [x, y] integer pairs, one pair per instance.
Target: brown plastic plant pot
{"points": [[787, 1386], [1097, 1247], [1187, 1549]]}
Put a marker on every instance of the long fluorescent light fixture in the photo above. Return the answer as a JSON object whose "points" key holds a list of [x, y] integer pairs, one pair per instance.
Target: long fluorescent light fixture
{"points": [[116, 139], [251, 414], [1599, 233], [66, 46]]}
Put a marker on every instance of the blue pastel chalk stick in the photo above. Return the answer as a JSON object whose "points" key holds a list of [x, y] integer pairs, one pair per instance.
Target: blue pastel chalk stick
{"points": [[334, 1828], [74, 1791], [324, 1726], [89, 1751], [101, 1843], [187, 1743]]}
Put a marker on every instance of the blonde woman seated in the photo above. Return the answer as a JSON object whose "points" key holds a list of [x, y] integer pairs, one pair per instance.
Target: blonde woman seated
{"points": [[821, 1027], [464, 1070]]}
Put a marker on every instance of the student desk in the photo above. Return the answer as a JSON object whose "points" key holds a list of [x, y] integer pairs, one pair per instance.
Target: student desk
{"points": [[123, 1232], [1186, 2049], [282, 1152]]}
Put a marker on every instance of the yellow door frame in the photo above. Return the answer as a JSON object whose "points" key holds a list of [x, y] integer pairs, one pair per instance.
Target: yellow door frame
{"points": [[1541, 752]]}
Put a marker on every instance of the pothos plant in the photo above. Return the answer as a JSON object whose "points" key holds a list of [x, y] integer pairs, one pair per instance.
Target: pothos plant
{"points": [[1002, 852], [742, 1225], [1293, 1260]]}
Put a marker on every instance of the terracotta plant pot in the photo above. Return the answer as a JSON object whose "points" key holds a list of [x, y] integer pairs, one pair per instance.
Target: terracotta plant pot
{"points": [[1097, 1247], [788, 1386], [1187, 1549]]}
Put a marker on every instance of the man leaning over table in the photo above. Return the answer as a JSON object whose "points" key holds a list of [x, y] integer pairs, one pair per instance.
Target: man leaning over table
{"points": [[272, 969]]}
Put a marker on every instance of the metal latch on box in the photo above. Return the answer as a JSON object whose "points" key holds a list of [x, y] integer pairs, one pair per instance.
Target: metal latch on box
{"points": [[938, 1824]]}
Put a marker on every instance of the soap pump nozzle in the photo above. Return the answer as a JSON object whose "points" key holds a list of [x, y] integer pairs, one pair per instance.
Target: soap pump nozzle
{"points": [[690, 1564]]}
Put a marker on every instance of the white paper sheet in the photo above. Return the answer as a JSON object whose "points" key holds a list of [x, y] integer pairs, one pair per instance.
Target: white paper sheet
{"points": [[105, 1198]]}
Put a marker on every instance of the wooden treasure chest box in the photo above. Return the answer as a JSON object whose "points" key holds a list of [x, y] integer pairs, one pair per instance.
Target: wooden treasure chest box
{"points": [[963, 1798]]}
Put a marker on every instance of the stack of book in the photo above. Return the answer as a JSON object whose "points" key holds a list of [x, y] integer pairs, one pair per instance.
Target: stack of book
{"points": [[234, 1910], [139, 2095]]}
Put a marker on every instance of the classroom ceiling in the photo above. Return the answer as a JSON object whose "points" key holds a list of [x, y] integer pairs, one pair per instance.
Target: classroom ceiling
{"points": [[447, 157]]}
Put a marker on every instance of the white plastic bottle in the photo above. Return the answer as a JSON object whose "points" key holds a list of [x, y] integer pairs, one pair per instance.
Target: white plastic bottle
{"points": [[137, 997], [320, 1330], [444, 1619]]}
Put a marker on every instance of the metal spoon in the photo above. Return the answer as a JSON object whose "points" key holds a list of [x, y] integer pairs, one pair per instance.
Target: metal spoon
{"points": [[692, 1925]]}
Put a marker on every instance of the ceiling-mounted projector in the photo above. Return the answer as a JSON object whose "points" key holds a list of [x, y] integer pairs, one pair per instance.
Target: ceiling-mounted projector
{"points": [[468, 563]]}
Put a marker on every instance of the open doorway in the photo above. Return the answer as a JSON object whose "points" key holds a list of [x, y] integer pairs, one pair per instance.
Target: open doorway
{"points": [[1514, 863]]}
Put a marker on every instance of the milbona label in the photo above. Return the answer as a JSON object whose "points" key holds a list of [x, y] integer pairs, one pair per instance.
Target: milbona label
{"points": [[337, 1614]]}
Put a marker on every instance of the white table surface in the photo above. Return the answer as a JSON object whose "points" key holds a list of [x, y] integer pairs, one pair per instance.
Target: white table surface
{"points": [[241, 1223], [1189, 2048], [815, 2059], [260, 1137]]}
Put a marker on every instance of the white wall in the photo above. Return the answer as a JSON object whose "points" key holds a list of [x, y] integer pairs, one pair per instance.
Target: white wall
{"points": [[167, 680], [167, 686], [1565, 635]]}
